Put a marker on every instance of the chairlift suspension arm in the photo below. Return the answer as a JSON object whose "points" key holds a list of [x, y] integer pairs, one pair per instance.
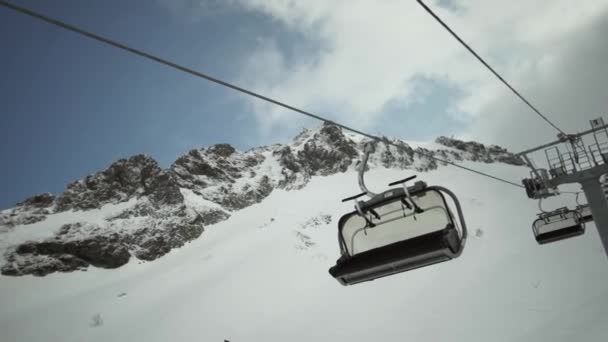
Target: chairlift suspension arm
{"points": [[362, 167], [540, 205], [530, 165], [463, 223]]}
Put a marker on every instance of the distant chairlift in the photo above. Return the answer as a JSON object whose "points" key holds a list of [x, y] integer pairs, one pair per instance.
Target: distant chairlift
{"points": [[536, 187], [398, 230], [558, 225]]}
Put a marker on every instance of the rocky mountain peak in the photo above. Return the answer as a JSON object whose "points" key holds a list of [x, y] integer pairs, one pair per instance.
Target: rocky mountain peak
{"points": [[136, 208], [325, 151], [222, 150], [121, 181]]}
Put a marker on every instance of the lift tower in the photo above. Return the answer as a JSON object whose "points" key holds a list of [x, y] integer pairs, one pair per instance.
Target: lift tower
{"points": [[584, 161]]}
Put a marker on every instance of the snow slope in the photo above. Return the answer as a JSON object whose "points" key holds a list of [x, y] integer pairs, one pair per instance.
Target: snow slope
{"points": [[262, 276]]}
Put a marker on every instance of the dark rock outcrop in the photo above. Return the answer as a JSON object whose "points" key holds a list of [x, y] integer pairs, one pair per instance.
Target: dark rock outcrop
{"points": [[151, 244], [481, 153], [44, 200], [328, 152], [123, 180], [54, 255]]}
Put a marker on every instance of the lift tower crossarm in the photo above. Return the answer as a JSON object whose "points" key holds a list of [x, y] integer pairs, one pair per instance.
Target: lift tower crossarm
{"points": [[559, 141], [580, 176]]}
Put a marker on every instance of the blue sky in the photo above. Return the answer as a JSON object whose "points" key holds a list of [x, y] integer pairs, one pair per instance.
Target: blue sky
{"points": [[71, 106]]}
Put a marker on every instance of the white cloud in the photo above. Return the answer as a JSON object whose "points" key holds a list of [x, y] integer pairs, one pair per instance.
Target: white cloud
{"points": [[194, 10], [568, 83], [373, 51]]}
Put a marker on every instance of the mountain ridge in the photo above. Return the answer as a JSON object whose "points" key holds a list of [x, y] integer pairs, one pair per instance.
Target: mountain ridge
{"points": [[144, 211]]}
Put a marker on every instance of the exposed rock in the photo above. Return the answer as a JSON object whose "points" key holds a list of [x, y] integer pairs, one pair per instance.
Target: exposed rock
{"points": [[41, 265], [212, 217], [247, 195], [39, 201], [100, 251], [479, 152], [198, 167], [33, 219], [223, 150], [53, 255], [213, 172], [154, 243], [294, 176], [287, 159], [139, 210], [163, 189], [29, 211], [121, 181], [328, 151], [76, 246]]}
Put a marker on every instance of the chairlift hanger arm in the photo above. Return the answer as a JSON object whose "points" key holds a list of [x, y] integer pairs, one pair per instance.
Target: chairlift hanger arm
{"points": [[367, 150], [530, 165]]}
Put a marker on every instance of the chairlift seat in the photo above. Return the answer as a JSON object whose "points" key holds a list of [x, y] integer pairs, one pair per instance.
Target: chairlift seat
{"points": [[424, 250], [558, 225], [401, 239]]}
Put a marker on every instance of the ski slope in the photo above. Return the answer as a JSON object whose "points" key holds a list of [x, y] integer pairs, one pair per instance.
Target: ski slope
{"points": [[262, 276]]}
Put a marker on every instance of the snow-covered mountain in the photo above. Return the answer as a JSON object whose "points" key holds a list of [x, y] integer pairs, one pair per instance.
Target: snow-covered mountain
{"points": [[134, 208], [259, 273]]}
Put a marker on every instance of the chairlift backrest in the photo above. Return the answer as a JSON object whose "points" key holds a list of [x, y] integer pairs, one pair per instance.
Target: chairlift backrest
{"points": [[396, 223]]}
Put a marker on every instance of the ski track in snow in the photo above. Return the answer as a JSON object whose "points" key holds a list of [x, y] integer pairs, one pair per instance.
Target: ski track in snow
{"points": [[242, 283]]}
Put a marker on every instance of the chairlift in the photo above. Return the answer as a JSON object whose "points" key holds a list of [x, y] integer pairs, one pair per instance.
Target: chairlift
{"points": [[557, 225], [397, 230], [536, 186]]}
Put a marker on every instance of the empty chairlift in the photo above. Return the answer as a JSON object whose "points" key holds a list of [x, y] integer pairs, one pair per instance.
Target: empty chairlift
{"points": [[557, 225], [398, 230]]}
